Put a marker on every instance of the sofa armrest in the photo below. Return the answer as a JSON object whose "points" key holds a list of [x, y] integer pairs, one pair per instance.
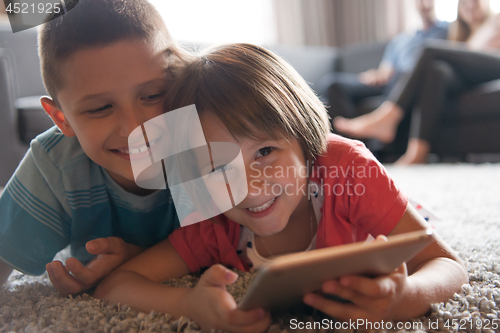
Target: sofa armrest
{"points": [[361, 57], [11, 149]]}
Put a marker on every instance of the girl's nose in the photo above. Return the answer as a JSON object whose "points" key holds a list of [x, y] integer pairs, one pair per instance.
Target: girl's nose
{"points": [[256, 181]]}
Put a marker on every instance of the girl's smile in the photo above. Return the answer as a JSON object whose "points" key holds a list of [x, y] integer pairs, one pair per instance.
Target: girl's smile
{"points": [[262, 210]]}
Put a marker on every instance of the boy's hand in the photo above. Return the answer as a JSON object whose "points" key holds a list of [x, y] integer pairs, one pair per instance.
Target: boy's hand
{"points": [[211, 306], [373, 299], [74, 278]]}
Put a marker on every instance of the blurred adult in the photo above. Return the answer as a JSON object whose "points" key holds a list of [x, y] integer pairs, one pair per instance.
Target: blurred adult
{"points": [[441, 74], [345, 90]]}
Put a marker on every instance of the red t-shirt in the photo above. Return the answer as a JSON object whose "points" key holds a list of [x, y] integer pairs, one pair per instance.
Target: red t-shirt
{"points": [[360, 199]]}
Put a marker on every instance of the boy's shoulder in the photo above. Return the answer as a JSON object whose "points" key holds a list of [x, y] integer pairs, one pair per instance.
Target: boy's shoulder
{"points": [[54, 147]]}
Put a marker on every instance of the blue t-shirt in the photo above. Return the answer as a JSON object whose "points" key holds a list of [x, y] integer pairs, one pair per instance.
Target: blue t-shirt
{"points": [[59, 196], [402, 51]]}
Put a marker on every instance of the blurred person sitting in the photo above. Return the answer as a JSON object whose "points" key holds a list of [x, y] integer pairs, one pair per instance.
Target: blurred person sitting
{"points": [[345, 90], [441, 74]]}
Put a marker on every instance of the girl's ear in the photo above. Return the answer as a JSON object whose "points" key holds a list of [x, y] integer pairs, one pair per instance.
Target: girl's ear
{"points": [[57, 116]]}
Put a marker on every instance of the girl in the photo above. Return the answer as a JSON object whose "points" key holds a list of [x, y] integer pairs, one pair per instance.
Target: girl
{"points": [[442, 73], [248, 96]]}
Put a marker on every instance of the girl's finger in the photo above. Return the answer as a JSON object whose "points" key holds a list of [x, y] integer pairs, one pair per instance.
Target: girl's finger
{"points": [[218, 275], [337, 310], [373, 288], [244, 318], [255, 327]]}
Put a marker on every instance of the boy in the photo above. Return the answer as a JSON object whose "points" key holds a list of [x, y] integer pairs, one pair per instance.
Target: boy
{"points": [[104, 65]]}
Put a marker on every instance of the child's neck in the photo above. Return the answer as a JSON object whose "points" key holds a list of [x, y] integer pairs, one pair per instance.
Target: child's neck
{"points": [[295, 237], [129, 185]]}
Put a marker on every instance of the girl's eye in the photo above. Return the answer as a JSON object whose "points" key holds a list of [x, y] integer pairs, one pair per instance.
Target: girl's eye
{"points": [[154, 96], [99, 110], [221, 168], [264, 151]]}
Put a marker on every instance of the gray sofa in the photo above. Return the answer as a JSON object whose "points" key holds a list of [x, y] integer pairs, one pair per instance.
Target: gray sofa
{"points": [[21, 117], [453, 142]]}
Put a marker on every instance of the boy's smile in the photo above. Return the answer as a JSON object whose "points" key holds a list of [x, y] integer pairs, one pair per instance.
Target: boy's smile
{"points": [[107, 92]]}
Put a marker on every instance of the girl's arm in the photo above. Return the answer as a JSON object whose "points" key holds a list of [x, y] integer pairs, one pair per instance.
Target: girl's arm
{"points": [[138, 281], [138, 284], [434, 275]]}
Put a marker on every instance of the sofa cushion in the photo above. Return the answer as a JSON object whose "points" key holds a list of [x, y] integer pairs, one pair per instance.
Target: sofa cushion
{"points": [[311, 62], [24, 46], [488, 94], [361, 57]]}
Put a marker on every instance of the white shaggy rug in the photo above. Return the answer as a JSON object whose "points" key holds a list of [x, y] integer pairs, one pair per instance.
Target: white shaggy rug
{"points": [[466, 197]]}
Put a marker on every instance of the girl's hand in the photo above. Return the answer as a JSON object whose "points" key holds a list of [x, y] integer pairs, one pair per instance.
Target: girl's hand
{"points": [[211, 306], [373, 299]]}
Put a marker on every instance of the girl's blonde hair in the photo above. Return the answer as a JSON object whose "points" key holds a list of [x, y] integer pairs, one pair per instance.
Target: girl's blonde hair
{"points": [[256, 95], [459, 30]]}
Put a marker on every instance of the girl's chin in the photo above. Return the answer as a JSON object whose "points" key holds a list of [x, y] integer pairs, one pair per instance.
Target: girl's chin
{"points": [[267, 232]]}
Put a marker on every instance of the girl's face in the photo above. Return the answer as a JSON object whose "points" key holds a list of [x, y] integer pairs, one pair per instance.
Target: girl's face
{"points": [[473, 12], [276, 175]]}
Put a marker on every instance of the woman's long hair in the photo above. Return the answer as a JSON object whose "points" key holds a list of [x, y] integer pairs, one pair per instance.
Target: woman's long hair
{"points": [[459, 30]]}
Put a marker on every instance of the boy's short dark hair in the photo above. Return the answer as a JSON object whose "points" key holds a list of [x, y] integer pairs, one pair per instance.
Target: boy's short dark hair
{"points": [[95, 23]]}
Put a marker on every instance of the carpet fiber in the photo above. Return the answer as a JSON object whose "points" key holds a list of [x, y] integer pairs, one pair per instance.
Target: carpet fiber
{"points": [[466, 197]]}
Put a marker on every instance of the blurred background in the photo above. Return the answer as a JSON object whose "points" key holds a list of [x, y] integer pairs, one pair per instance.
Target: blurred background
{"points": [[296, 22], [315, 36]]}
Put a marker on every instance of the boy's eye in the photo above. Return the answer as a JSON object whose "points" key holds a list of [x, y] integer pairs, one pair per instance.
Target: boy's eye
{"points": [[101, 109], [264, 151]]}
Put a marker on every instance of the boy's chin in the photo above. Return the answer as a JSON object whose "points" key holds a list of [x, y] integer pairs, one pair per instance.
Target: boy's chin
{"points": [[150, 178]]}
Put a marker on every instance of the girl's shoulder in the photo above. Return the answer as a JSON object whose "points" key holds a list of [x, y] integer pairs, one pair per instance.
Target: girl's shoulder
{"points": [[341, 150]]}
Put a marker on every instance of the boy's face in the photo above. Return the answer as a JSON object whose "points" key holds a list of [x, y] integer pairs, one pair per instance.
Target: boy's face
{"points": [[108, 92]]}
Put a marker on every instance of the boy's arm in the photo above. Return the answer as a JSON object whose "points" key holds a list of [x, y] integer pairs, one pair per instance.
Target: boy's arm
{"points": [[137, 283], [74, 278], [5, 271]]}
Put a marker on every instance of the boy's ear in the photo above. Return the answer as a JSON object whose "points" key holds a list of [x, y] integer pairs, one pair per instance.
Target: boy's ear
{"points": [[57, 116]]}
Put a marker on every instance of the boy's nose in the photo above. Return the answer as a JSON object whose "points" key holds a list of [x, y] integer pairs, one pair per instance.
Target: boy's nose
{"points": [[129, 121]]}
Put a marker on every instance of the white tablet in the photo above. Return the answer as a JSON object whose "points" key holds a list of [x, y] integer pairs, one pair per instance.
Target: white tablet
{"points": [[281, 284]]}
